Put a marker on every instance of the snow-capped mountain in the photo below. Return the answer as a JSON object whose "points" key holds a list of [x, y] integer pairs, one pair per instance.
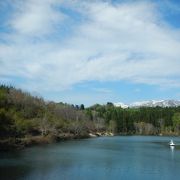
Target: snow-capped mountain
{"points": [[150, 103], [154, 103]]}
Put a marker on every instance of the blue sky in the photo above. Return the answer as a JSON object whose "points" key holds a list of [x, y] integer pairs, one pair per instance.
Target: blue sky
{"points": [[89, 52]]}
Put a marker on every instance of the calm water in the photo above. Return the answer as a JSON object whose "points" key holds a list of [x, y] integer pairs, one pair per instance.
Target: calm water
{"points": [[128, 157]]}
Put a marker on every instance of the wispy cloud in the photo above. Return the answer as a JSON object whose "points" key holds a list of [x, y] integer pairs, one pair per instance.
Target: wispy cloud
{"points": [[137, 90], [52, 50], [102, 90]]}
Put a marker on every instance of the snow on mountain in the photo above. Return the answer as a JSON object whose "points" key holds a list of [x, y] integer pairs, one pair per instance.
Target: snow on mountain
{"points": [[154, 103], [150, 103], [120, 104]]}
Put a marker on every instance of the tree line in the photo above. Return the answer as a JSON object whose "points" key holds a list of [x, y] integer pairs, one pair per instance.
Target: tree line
{"points": [[141, 120]]}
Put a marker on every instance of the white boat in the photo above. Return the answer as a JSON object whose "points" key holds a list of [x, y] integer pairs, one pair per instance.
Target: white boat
{"points": [[171, 143]]}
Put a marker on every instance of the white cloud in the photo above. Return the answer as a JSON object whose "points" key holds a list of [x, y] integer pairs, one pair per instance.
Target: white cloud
{"points": [[35, 17], [127, 41]]}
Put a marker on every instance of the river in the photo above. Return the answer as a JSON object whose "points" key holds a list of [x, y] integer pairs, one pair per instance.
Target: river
{"points": [[119, 157]]}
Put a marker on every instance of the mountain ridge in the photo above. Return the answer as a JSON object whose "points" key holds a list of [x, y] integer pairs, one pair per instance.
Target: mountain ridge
{"points": [[150, 103]]}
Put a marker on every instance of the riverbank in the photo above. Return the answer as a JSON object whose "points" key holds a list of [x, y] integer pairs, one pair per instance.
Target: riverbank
{"points": [[21, 143], [28, 141]]}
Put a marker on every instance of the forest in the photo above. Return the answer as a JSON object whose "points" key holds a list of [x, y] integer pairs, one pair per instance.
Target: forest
{"points": [[26, 119]]}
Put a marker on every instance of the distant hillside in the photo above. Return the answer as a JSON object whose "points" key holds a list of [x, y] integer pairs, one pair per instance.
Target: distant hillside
{"points": [[25, 119]]}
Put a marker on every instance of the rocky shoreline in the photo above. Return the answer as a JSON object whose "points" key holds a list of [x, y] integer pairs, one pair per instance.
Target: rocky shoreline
{"points": [[100, 134]]}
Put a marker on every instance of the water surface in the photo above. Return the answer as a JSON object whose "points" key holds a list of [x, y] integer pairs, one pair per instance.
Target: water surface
{"points": [[120, 157]]}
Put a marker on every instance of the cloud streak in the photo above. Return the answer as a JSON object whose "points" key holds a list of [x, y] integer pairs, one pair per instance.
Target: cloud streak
{"points": [[51, 50]]}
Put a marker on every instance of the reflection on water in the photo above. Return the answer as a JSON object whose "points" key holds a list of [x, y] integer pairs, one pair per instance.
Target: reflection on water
{"points": [[127, 157], [172, 151]]}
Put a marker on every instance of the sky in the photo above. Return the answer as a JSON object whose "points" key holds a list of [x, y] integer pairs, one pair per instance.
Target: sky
{"points": [[91, 51]]}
